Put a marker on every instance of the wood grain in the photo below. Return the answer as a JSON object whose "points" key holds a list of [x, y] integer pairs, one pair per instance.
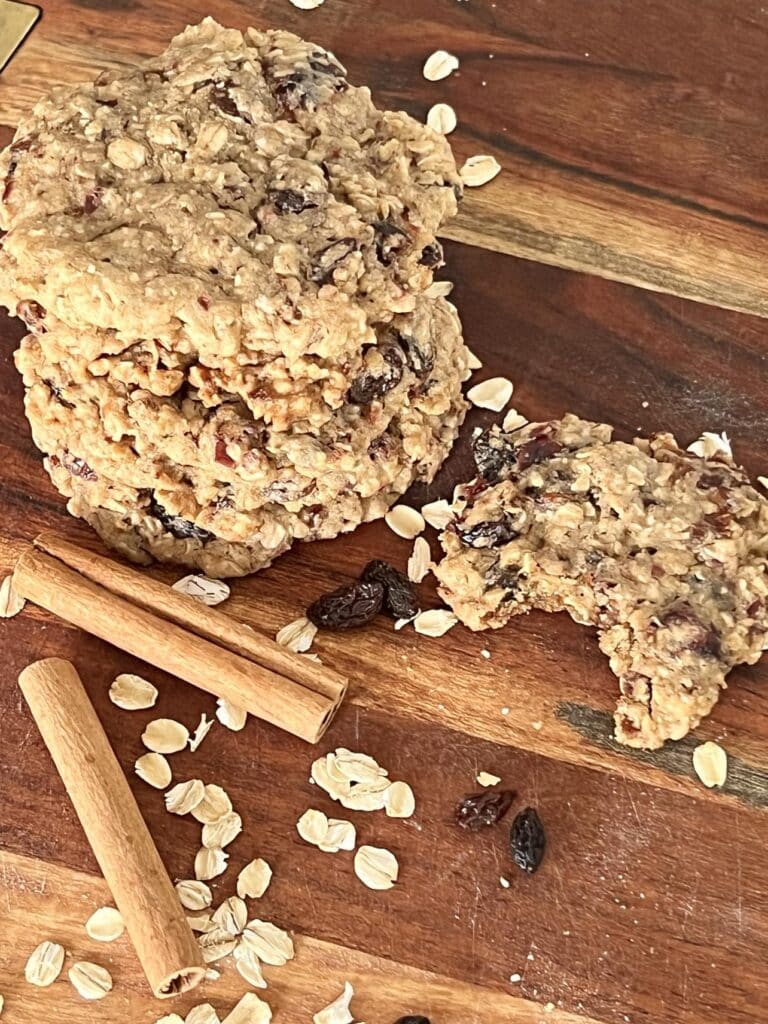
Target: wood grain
{"points": [[651, 903], [631, 135]]}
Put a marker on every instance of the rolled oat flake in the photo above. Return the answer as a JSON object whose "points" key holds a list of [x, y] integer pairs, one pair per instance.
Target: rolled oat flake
{"points": [[10, 602], [202, 589], [154, 770], [479, 170], [165, 736], [90, 980], [105, 924], [338, 1011], [44, 965], [132, 693], [439, 65]]}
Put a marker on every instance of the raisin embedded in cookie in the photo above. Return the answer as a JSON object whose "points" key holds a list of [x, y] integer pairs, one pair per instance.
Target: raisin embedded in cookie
{"points": [[665, 552], [222, 256]]}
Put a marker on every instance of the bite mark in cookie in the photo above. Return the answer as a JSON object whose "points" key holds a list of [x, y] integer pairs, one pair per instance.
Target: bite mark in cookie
{"points": [[665, 552]]}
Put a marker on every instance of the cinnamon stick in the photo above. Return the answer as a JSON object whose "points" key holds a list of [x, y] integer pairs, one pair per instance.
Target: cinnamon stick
{"points": [[201, 646], [128, 858]]}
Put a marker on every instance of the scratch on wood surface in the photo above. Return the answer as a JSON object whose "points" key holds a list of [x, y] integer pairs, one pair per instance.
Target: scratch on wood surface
{"points": [[746, 782]]}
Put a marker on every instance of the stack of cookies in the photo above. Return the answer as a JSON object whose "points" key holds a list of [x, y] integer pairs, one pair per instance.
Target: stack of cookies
{"points": [[224, 258]]}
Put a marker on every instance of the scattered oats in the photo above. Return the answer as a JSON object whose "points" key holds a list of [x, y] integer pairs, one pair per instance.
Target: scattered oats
{"points": [[763, 481], [272, 945], [132, 693], [375, 867], [194, 895], [485, 653], [105, 924], [434, 622], [437, 513], [253, 881], [202, 589], [399, 801], [164, 736], [200, 922], [439, 64], [473, 362], [2, 1003], [366, 796], [203, 1013], [537, 726], [312, 656], [250, 1009], [356, 767], [486, 779], [307, 5], [513, 420], [214, 805], [204, 727], [154, 770], [515, 978], [504, 882], [549, 1007], [220, 833], [231, 916], [442, 118], [402, 623], [338, 1011], [249, 966], [505, 711], [710, 763], [710, 444], [44, 965], [297, 635], [420, 561], [341, 835], [90, 980], [210, 863], [212, 974], [170, 1018], [312, 826], [493, 393], [479, 170], [405, 521], [232, 717], [325, 775], [10, 602], [185, 796], [216, 944], [439, 290]]}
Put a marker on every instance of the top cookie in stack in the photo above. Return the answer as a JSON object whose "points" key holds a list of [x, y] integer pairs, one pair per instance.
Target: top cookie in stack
{"points": [[224, 259]]}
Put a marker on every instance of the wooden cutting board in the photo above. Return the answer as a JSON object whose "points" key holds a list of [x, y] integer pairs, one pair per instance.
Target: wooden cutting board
{"points": [[650, 907]]}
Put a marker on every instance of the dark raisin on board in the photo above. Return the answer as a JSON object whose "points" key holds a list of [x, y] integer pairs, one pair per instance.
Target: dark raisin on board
{"points": [[348, 607], [498, 455], [527, 840], [400, 597], [431, 255], [413, 1018], [481, 810]]}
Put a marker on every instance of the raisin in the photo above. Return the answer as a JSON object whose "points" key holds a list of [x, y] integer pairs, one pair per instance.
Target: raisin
{"points": [[690, 632], [480, 810], [420, 359], [431, 255], [57, 393], [221, 455], [710, 480], [301, 90], [399, 595], [204, 301], [498, 453], [323, 64], [326, 260], [348, 607], [527, 840], [181, 528], [78, 467], [92, 200], [490, 534], [222, 98], [390, 241], [368, 386], [413, 1018], [289, 200], [33, 314]]}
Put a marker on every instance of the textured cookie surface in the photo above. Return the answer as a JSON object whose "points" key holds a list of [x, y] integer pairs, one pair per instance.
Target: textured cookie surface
{"points": [[666, 552], [221, 256]]}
